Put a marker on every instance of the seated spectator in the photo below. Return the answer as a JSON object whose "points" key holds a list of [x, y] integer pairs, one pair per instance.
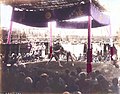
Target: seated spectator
{"points": [[19, 59], [79, 70], [97, 73], [66, 76], [19, 82], [66, 92], [115, 88], [71, 86], [28, 84], [43, 82], [77, 92], [103, 84], [13, 59], [92, 82], [81, 82], [57, 83]]}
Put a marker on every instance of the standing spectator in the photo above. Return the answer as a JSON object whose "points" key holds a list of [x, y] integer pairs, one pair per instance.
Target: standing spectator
{"points": [[29, 46], [43, 47], [79, 57]]}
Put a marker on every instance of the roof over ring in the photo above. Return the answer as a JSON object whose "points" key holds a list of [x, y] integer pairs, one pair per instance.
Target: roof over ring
{"points": [[38, 12]]}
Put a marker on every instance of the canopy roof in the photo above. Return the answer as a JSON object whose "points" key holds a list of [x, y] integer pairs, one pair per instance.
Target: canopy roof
{"points": [[46, 4], [38, 12]]}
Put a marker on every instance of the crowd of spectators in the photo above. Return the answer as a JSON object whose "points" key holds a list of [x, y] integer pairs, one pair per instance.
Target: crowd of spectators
{"points": [[22, 78], [18, 77]]}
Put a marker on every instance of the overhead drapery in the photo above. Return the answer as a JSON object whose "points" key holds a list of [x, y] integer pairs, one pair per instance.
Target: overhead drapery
{"points": [[99, 19], [37, 18], [40, 18]]}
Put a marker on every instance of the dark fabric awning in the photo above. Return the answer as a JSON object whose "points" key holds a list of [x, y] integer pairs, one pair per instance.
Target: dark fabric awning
{"points": [[36, 16], [40, 18], [99, 19], [78, 25]]}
